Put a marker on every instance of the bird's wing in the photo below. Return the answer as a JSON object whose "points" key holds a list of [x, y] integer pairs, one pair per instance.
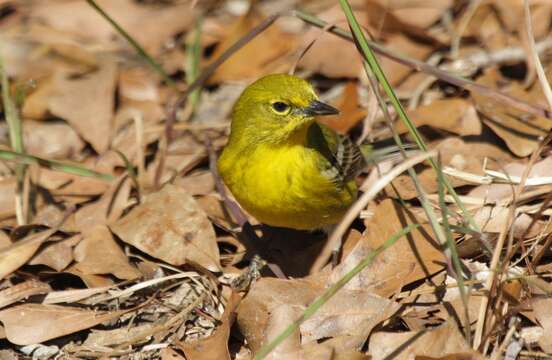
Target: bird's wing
{"points": [[345, 157]]}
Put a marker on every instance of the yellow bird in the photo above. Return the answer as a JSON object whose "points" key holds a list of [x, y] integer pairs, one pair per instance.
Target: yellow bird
{"points": [[282, 167]]}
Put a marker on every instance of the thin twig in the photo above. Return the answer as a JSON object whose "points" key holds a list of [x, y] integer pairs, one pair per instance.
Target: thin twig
{"points": [[437, 72], [463, 25], [535, 55]]}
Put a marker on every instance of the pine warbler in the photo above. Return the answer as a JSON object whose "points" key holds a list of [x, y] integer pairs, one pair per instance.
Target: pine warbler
{"points": [[282, 167]]}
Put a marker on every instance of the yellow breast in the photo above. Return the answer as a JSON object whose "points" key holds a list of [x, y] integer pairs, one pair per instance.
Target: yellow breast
{"points": [[284, 186]]}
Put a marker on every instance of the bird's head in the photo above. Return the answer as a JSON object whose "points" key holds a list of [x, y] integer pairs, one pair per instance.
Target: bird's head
{"points": [[275, 108]]}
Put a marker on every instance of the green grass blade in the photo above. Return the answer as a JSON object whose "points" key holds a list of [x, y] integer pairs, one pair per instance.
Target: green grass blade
{"points": [[370, 57], [451, 244], [11, 114], [426, 205], [25, 159], [332, 290], [442, 233], [137, 47], [193, 52], [131, 171]]}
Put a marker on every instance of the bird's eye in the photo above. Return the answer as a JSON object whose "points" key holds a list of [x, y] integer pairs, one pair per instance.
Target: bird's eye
{"points": [[281, 107]]}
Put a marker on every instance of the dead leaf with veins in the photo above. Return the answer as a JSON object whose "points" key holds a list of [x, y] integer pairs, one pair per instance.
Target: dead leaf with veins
{"points": [[169, 225]]}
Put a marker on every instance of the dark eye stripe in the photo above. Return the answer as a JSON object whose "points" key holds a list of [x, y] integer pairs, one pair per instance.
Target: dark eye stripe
{"points": [[280, 106]]}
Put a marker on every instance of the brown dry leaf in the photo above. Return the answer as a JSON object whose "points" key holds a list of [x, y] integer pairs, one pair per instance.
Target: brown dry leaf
{"points": [[170, 226], [136, 84], [57, 255], [60, 49], [421, 13], [520, 131], [34, 323], [350, 113], [486, 26], [198, 183], [9, 355], [107, 209], [430, 305], [25, 57], [383, 22], [5, 240], [100, 339], [330, 55], [7, 197], [455, 115], [183, 154], [98, 253], [265, 54], [349, 313], [91, 118], [335, 58], [542, 309], [52, 215], [170, 354], [511, 11], [541, 16], [215, 106], [214, 347], [51, 140], [140, 21], [22, 290], [35, 105], [73, 296], [90, 280], [125, 141], [60, 183], [139, 101], [258, 311], [338, 348], [272, 304], [215, 210], [400, 43], [540, 168], [411, 258], [492, 219], [17, 254], [438, 342]]}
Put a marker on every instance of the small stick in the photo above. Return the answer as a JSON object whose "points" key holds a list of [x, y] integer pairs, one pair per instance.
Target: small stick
{"points": [[535, 55]]}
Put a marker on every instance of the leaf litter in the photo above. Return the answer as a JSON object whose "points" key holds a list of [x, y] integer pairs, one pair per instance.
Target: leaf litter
{"points": [[153, 264]]}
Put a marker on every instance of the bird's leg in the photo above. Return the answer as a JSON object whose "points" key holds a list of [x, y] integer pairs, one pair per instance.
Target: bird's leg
{"points": [[252, 274], [258, 245]]}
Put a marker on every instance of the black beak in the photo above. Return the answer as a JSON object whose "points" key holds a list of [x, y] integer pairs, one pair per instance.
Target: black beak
{"points": [[316, 108]]}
